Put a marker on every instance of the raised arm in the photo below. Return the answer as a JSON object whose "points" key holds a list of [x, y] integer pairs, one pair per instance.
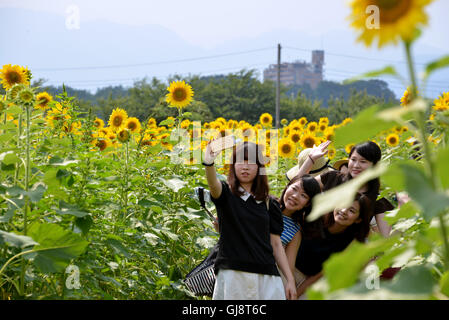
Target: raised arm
{"points": [[314, 155], [211, 175]]}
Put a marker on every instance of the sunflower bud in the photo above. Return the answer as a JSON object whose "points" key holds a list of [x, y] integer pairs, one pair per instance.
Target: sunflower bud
{"points": [[26, 97], [123, 135]]}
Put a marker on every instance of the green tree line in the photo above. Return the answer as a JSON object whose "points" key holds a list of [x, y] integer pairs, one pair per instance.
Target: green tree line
{"points": [[240, 96]]}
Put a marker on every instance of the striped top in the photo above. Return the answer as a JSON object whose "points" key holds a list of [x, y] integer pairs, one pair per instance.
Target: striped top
{"points": [[290, 229]]}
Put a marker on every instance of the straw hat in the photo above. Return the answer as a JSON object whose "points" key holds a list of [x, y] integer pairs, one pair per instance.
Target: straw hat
{"points": [[320, 166], [337, 165]]}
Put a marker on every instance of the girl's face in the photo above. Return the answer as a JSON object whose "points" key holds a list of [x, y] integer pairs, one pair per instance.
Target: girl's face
{"points": [[246, 172], [357, 164], [295, 198], [348, 216]]}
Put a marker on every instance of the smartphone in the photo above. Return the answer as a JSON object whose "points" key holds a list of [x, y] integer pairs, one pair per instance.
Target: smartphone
{"points": [[222, 143]]}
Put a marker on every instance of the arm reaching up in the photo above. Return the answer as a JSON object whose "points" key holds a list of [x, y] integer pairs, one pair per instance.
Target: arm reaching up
{"points": [[211, 175]]}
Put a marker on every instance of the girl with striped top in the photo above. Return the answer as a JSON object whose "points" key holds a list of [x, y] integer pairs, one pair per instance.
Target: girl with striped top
{"points": [[296, 203]]}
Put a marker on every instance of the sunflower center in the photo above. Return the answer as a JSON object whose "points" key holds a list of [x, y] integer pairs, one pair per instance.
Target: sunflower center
{"points": [[117, 121], [286, 148], [393, 10], [180, 94], [13, 77], [309, 142], [132, 125]]}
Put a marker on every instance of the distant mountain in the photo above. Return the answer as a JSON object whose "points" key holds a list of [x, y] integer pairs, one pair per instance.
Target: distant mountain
{"points": [[102, 53]]}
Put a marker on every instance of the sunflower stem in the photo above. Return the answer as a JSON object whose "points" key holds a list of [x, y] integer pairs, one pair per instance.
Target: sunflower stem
{"points": [[428, 161]]}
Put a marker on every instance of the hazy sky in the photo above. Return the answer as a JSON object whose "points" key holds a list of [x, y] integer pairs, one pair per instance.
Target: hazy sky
{"points": [[208, 23], [177, 30]]}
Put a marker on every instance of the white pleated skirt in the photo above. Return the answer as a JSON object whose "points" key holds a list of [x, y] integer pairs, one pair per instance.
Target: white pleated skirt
{"points": [[240, 285]]}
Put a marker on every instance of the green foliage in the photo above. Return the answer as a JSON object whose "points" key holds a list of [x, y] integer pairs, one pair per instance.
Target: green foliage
{"points": [[239, 96]]}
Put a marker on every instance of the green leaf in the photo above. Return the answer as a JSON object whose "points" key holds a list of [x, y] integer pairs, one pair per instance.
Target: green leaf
{"points": [[7, 136], [174, 184], [118, 247], [156, 209], [416, 280], [66, 208], [444, 283], [84, 223], [9, 158], [167, 122], [365, 126], [343, 195], [388, 70], [16, 240], [442, 62], [400, 114], [37, 192], [14, 109], [342, 269], [56, 248], [8, 126], [394, 177], [407, 211], [442, 167], [8, 214], [420, 189]]}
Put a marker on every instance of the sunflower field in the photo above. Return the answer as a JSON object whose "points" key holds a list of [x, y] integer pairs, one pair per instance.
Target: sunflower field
{"points": [[96, 208]]}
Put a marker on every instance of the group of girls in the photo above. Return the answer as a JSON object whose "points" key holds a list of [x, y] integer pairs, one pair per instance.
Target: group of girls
{"points": [[267, 248]]}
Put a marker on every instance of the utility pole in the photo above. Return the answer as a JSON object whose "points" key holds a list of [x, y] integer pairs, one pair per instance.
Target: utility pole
{"points": [[278, 88]]}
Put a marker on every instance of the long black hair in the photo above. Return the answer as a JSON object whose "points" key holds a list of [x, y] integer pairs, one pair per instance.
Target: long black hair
{"points": [[311, 188], [371, 152]]}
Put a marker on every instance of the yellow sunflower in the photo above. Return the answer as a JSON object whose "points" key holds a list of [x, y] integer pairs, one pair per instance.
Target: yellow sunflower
{"points": [[284, 122], [179, 94], [185, 124], [308, 140], [42, 100], [405, 100], [266, 119], [303, 121], [295, 137], [103, 144], [322, 127], [442, 103], [349, 147], [346, 121], [286, 148], [329, 134], [312, 126], [117, 119], [392, 139], [331, 153], [98, 123], [397, 19], [133, 125], [11, 75], [324, 120]]}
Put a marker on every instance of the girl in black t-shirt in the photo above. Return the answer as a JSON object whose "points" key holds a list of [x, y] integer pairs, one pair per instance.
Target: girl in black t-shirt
{"points": [[250, 227], [330, 234]]}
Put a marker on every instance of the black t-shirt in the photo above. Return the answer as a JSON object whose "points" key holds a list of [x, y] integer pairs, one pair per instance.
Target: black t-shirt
{"points": [[313, 252], [245, 228]]}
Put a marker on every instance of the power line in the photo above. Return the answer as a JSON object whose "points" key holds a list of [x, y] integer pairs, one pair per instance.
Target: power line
{"points": [[153, 63], [137, 79], [351, 56]]}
